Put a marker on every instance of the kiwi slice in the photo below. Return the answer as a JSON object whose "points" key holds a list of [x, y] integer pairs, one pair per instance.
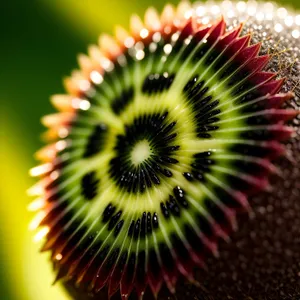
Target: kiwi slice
{"points": [[164, 134]]}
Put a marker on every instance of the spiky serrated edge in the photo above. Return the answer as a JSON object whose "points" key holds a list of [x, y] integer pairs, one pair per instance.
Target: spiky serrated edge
{"points": [[93, 68]]}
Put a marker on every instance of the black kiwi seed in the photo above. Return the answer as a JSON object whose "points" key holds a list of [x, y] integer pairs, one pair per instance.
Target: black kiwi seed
{"points": [[155, 220], [96, 140], [89, 185], [114, 219], [157, 83], [108, 212], [119, 104]]}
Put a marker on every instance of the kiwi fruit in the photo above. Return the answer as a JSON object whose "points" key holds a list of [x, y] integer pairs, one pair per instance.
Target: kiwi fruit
{"points": [[165, 135]]}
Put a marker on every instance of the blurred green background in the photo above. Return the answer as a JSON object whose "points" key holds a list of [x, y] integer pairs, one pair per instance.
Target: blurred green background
{"points": [[39, 43]]}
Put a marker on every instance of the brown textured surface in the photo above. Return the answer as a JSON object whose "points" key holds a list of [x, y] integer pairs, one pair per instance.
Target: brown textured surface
{"points": [[262, 260]]}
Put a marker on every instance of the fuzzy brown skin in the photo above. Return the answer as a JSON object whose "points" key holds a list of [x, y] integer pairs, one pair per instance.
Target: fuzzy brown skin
{"points": [[262, 260]]}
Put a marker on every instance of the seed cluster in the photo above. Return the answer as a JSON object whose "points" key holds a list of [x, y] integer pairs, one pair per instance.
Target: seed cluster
{"points": [[160, 134], [173, 205], [199, 167], [89, 185], [157, 83], [204, 107], [143, 226], [96, 140], [119, 104]]}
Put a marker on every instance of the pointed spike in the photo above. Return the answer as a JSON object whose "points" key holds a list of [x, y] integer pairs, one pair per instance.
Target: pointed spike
{"points": [[60, 275], [278, 115], [169, 273], [217, 31], [231, 217], [276, 149], [261, 77], [170, 281], [152, 20], [115, 278], [201, 33], [126, 289], [171, 288], [186, 270], [99, 283], [219, 231], [211, 245], [271, 87], [95, 53], [103, 274], [167, 15], [230, 36], [282, 132], [275, 101], [112, 287], [238, 29], [73, 263], [85, 64], [222, 229], [49, 135], [37, 204], [111, 291], [68, 257], [37, 189], [140, 290], [248, 52], [121, 34], [259, 183], [46, 154], [174, 278], [215, 252], [241, 199], [257, 63], [56, 119], [78, 82], [77, 75], [273, 169], [155, 285], [84, 274], [238, 45], [54, 133], [41, 170], [187, 30], [195, 258], [225, 237], [36, 221], [124, 294], [71, 86], [62, 102], [182, 10], [46, 246], [136, 25], [108, 45]]}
